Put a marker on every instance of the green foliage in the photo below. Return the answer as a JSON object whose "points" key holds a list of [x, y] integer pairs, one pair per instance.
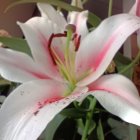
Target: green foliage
{"points": [[17, 44], [132, 132], [100, 133], [72, 113], [122, 62], [81, 127]]}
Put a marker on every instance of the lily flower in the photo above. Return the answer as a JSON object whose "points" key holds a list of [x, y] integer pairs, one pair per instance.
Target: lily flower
{"points": [[67, 64]]}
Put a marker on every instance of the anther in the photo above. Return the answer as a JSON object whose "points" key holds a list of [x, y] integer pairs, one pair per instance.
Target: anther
{"points": [[50, 44], [77, 43]]}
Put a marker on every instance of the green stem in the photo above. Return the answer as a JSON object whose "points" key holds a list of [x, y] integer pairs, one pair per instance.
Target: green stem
{"points": [[137, 58], [110, 8], [88, 119]]}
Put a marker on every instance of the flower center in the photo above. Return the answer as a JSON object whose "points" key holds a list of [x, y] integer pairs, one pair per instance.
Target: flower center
{"points": [[71, 45]]}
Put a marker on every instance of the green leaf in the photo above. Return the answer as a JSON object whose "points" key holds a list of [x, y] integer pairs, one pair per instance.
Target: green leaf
{"points": [[49, 132], [122, 62], [92, 127], [132, 132], [100, 133], [73, 113], [17, 44], [93, 19], [122, 59], [81, 127]]}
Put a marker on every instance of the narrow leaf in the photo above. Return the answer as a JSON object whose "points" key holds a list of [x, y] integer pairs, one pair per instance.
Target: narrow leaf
{"points": [[92, 127], [132, 132], [16, 44], [80, 126], [122, 62], [100, 133], [121, 58]]}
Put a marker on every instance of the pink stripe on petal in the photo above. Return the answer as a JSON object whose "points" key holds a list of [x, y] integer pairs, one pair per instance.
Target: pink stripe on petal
{"points": [[108, 46], [19, 67], [116, 92], [31, 71], [39, 75], [98, 49], [103, 52], [119, 96]]}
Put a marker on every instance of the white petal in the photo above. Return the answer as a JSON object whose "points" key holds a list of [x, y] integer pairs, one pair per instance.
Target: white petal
{"points": [[19, 67], [2, 98], [77, 3], [79, 19], [133, 9], [99, 47], [53, 15], [119, 96], [28, 109], [37, 32]]}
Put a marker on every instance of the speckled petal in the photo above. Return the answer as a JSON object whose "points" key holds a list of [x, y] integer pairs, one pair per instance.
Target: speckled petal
{"points": [[28, 109]]}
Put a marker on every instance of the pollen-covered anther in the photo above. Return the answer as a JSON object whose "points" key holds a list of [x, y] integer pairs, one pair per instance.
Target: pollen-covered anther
{"points": [[54, 58], [76, 38], [77, 42]]}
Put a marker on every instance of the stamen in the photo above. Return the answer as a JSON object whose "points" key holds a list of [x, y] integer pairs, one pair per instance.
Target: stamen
{"points": [[50, 42], [76, 40], [50, 50], [74, 36], [65, 67], [77, 44]]}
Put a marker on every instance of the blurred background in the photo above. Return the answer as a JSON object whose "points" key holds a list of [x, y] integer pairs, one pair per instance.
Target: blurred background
{"points": [[25, 11]]}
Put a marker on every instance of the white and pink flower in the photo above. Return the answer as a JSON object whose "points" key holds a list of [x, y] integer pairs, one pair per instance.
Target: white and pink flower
{"points": [[67, 64]]}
